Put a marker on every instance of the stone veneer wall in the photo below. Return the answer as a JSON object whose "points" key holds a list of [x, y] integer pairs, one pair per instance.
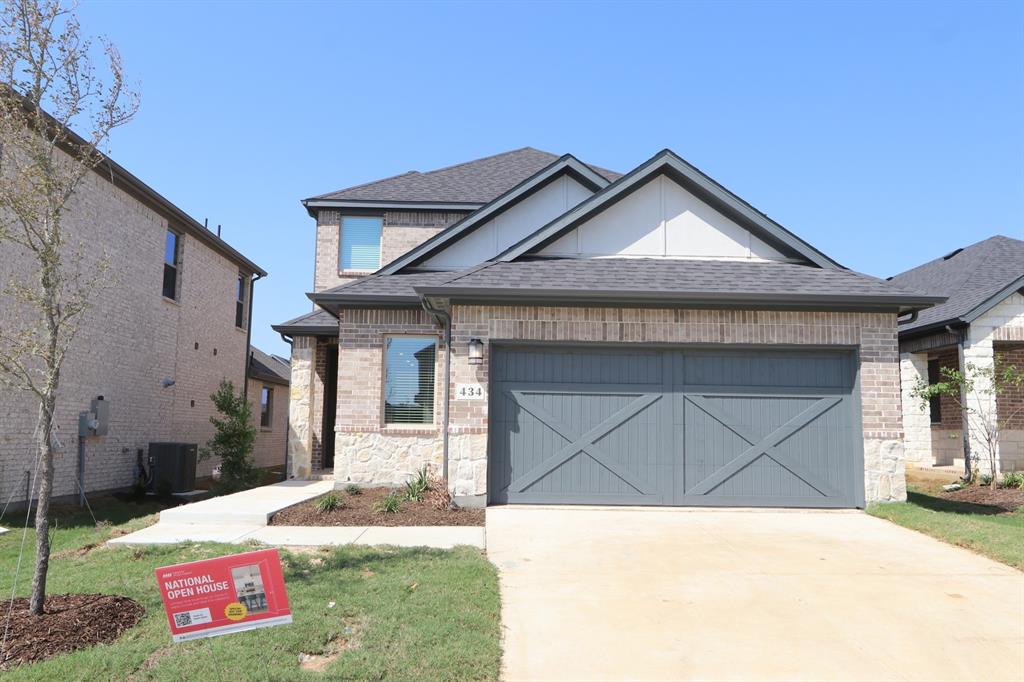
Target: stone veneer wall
{"points": [[874, 333], [402, 231], [300, 411], [128, 343]]}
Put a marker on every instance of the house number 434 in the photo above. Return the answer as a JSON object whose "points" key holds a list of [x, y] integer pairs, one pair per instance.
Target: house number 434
{"points": [[469, 391]]}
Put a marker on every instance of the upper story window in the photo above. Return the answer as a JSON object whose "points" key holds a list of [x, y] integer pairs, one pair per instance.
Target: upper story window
{"points": [[409, 379], [172, 264], [240, 301], [266, 407], [360, 242]]}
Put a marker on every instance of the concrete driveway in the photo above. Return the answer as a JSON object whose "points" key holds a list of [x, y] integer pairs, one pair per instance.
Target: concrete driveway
{"points": [[646, 594]]}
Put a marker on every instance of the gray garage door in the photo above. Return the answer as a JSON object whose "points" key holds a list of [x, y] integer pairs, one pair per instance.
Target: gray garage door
{"points": [[597, 425]]}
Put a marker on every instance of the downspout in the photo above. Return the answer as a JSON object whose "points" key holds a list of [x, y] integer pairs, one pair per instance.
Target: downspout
{"points": [[248, 336], [445, 321], [964, 423]]}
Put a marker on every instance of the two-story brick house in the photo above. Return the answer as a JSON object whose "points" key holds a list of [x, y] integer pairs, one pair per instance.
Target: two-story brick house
{"points": [[539, 330], [171, 322]]}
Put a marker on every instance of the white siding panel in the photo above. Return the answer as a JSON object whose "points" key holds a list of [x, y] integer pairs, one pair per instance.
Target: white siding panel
{"points": [[661, 220], [510, 227]]}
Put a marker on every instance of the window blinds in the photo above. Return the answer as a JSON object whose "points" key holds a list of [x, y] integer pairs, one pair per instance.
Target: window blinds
{"points": [[409, 380], [360, 242]]}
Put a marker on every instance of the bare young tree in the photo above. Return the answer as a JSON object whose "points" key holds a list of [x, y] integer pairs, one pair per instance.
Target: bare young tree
{"points": [[48, 85], [976, 391]]}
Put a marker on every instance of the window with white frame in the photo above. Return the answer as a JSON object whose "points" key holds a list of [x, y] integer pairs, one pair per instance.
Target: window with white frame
{"points": [[409, 379], [240, 292], [360, 242]]}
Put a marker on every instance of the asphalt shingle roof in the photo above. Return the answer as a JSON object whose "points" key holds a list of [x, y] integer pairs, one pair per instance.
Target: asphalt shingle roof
{"points": [[314, 320], [968, 277], [268, 367], [472, 182], [684, 276], [399, 285]]}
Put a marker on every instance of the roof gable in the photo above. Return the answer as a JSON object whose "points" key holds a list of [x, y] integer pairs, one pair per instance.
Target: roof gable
{"points": [[660, 219], [507, 219], [722, 201], [974, 279]]}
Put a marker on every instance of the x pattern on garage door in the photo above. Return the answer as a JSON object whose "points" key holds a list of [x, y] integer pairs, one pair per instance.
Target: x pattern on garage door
{"points": [[691, 427]]}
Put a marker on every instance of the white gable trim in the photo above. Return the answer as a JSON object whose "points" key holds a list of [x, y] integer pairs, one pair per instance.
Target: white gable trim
{"points": [[661, 219]]}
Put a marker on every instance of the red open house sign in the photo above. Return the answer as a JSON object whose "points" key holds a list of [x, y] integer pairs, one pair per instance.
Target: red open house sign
{"points": [[226, 594]]}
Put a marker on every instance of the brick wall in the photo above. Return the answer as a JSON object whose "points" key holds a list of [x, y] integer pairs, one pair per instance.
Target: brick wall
{"points": [[402, 231], [270, 441], [367, 451], [951, 415], [128, 344], [1010, 403], [362, 333], [324, 347]]}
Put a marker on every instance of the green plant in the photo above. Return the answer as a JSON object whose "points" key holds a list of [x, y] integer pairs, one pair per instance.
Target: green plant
{"points": [[233, 441], [390, 504], [353, 489], [1013, 479], [328, 503], [985, 479], [415, 488]]}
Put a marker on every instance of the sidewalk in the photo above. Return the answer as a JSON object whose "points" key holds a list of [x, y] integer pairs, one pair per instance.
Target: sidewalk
{"points": [[243, 517]]}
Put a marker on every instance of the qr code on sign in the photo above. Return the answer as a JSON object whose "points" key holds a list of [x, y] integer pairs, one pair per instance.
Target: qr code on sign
{"points": [[183, 619]]}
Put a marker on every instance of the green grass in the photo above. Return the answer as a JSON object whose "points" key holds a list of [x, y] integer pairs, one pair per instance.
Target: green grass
{"points": [[974, 526], [416, 613]]}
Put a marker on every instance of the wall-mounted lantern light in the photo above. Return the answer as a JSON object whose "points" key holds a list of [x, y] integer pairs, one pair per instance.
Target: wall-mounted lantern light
{"points": [[476, 352]]}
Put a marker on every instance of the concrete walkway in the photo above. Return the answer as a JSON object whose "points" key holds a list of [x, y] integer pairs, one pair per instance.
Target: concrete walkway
{"points": [[441, 537], [243, 517], [630, 594]]}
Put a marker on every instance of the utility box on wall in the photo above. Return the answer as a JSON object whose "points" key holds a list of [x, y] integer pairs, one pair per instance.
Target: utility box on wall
{"points": [[173, 466]]}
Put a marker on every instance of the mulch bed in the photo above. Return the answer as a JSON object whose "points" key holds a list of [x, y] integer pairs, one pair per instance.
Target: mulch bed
{"points": [[358, 510], [69, 622], [1007, 499]]}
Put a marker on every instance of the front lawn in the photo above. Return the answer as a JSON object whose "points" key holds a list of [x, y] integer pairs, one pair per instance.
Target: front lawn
{"points": [[396, 614], [982, 528]]}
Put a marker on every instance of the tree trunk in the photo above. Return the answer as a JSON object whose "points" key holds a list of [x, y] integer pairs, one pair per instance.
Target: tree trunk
{"points": [[43, 506]]}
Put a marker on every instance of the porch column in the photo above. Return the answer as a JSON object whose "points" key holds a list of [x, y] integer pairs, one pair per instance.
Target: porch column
{"points": [[299, 408], [917, 431]]}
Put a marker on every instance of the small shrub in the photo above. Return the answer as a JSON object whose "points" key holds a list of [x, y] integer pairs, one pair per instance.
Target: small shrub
{"points": [[439, 497], [353, 489], [1013, 479], [328, 503], [390, 504], [418, 486], [985, 479]]}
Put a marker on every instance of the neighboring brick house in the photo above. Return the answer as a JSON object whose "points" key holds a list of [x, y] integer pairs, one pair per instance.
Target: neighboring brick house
{"points": [[170, 323], [269, 376], [981, 323], [577, 336]]}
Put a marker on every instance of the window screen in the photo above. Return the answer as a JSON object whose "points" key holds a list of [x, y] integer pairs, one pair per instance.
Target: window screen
{"points": [[360, 242], [935, 402], [409, 379], [172, 258], [266, 405]]}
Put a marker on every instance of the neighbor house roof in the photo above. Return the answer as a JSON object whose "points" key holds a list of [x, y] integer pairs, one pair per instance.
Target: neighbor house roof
{"points": [[973, 279], [466, 185], [266, 367], [672, 282]]}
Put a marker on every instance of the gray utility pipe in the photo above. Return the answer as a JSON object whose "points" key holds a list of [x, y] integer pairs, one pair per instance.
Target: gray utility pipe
{"points": [[445, 320]]}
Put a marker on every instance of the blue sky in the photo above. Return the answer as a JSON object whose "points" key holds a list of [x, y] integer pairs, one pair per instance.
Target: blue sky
{"points": [[884, 133]]}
